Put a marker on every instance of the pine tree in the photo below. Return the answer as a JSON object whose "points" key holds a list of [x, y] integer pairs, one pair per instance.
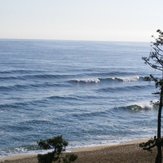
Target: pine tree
{"points": [[155, 60]]}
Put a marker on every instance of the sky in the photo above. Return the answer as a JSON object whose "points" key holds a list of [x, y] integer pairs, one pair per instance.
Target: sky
{"points": [[103, 20]]}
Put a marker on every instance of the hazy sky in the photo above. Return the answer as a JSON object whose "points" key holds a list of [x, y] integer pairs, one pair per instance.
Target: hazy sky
{"points": [[112, 20]]}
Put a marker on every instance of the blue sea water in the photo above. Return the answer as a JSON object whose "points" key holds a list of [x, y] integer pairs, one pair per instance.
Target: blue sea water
{"points": [[92, 93]]}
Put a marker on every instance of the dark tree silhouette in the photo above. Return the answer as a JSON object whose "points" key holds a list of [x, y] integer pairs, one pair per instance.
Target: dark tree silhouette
{"points": [[155, 60], [58, 144]]}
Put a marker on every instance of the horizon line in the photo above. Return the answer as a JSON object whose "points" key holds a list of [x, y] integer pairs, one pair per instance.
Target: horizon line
{"points": [[75, 40]]}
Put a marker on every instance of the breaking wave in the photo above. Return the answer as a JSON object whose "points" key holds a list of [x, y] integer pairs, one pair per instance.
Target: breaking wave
{"points": [[85, 81], [110, 79], [140, 106]]}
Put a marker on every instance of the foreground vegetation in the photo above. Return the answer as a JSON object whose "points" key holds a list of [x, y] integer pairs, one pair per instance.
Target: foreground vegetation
{"points": [[58, 146], [155, 60]]}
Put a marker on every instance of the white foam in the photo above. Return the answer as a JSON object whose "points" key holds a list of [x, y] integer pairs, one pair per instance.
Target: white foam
{"points": [[147, 105], [130, 79], [89, 80]]}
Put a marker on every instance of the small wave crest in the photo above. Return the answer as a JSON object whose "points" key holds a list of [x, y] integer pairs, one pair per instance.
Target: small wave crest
{"points": [[109, 79], [128, 79], [140, 106], [85, 81], [132, 78], [122, 79], [63, 98]]}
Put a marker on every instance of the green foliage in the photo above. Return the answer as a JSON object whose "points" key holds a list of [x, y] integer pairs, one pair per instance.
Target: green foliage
{"points": [[58, 144]]}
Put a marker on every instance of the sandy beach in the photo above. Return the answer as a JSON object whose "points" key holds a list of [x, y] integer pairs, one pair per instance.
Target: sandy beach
{"points": [[126, 153]]}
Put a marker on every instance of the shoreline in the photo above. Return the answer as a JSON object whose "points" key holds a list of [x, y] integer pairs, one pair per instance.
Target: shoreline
{"points": [[75, 149], [125, 152], [99, 147]]}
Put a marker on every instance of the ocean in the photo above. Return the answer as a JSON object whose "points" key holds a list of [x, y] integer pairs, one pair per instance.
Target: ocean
{"points": [[92, 93]]}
